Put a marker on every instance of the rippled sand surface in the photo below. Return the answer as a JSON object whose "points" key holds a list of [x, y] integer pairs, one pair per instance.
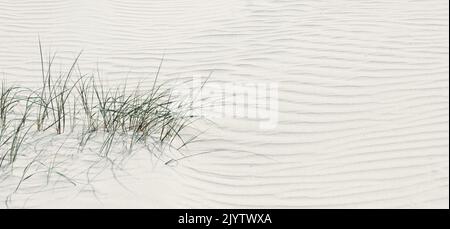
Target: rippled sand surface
{"points": [[363, 101]]}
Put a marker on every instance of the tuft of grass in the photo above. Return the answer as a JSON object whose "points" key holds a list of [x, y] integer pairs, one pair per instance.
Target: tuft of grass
{"points": [[73, 100], [79, 102], [54, 95], [14, 131], [8, 101]]}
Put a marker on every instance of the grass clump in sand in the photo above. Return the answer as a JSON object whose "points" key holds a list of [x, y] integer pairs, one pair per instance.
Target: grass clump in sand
{"points": [[13, 126], [73, 101]]}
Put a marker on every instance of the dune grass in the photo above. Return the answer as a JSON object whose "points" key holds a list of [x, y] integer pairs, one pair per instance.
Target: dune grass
{"points": [[70, 100], [13, 125]]}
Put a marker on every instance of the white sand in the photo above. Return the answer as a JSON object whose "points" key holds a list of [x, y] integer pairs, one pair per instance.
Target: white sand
{"points": [[363, 98]]}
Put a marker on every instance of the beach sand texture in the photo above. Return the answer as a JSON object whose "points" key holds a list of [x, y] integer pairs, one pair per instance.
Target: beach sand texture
{"points": [[363, 101]]}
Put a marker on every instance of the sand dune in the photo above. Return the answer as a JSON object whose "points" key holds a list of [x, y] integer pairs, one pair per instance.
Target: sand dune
{"points": [[362, 97]]}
